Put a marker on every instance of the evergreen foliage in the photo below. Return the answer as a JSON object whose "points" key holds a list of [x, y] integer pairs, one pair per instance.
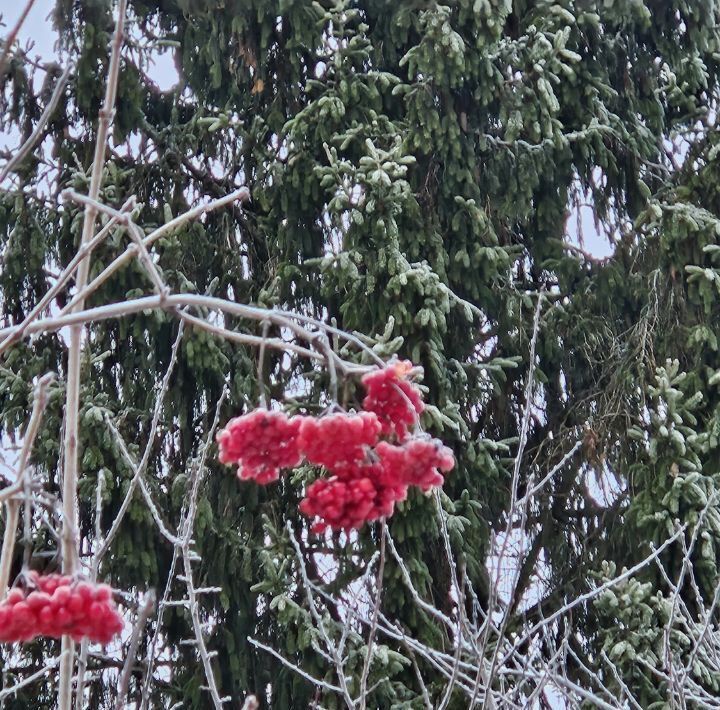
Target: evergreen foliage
{"points": [[411, 166]]}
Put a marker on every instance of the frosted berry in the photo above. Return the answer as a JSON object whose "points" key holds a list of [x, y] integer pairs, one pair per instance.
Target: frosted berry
{"points": [[396, 401], [262, 443]]}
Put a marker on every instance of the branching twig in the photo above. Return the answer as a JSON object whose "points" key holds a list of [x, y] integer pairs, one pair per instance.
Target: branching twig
{"points": [[12, 506], [146, 609], [374, 619], [10, 39], [24, 150]]}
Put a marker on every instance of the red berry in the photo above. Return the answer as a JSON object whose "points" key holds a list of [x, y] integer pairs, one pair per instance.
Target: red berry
{"points": [[61, 595], [349, 502], [37, 600], [46, 619], [14, 596], [63, 618], [23, 615], [103, 593], [84, 590], [76, 605]]}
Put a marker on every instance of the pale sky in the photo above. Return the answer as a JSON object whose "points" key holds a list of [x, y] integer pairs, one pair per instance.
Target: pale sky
{"points": [[35, 28]]}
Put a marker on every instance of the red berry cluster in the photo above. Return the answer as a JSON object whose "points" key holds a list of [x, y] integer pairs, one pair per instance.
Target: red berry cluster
{"points": [[364, 491], [367, 475], [417, 462], [57, 607], [341, 504], [338, 439], [395, 400], [262, 443]]}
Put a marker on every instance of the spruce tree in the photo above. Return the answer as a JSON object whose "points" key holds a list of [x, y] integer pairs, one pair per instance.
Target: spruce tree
{"points": [[412, 168]]}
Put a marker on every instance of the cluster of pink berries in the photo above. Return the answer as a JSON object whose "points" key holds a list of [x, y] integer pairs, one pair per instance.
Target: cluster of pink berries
{"points": [[393, 398], [338, 440], [55, 607], [368, 476], [262, 442]]}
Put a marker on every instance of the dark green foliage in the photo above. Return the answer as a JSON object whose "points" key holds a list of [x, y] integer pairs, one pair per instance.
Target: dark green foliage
{"points": [[411, 165]]}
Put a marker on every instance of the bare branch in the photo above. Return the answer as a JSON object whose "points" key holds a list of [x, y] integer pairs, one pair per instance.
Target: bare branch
{"points": [[10, 39], [146, 609], [12, 506], [72, 404], [27, 147]]}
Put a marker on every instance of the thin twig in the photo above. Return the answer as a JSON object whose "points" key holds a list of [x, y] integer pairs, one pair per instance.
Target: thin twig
{"points": [[10, 39], [242, 194], [330, 647], [49, 666], [12, 517], [186, 539], [27, 147], [317, 682], [524, 430], [146, 609], [541, 484], [164, 530], [63, 278], [374, 620], [139, 468], [593, 593], [153, 643], [85, 644], [134, 232], [262, 394], [13, 506]]}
